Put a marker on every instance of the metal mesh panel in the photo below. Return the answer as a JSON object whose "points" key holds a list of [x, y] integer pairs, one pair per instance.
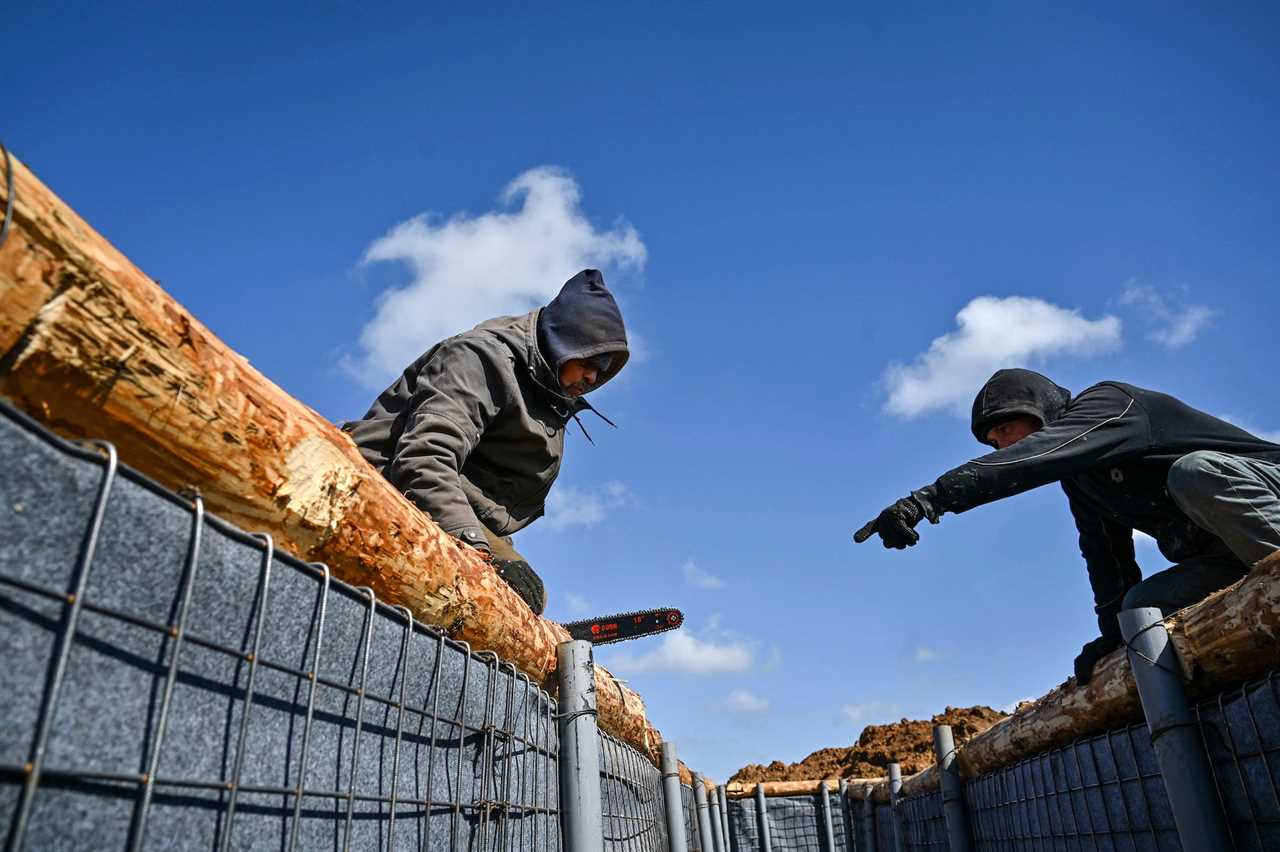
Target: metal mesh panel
{"points": [[172, 682], [885, 817], [1104, 792], [744, 833], [1241, 730], [631, 799], [690, 808], [923, 824]]}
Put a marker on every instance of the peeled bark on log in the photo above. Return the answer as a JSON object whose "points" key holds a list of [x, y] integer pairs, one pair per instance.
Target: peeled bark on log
{"points": [[93, 347], [746, 790]]}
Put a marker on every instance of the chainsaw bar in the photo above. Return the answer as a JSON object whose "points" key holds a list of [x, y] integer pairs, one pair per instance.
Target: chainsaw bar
{"points": [[627, 625]]}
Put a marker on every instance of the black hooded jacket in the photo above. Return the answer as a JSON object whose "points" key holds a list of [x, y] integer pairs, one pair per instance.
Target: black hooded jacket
{"points": [[473, 431], [1111, 447]]}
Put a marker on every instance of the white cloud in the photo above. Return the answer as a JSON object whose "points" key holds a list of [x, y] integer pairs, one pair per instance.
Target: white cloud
{"points": [[578, 605], [1174, 323], [682, 652], [467, 269], [871, 712], [992, 333], [745, 702], [925, 654], [696, 577], [1272, 435], [568, 506]]}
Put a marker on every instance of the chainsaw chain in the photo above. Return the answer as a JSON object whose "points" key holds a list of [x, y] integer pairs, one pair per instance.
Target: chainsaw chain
{"points": [[625, 615]]}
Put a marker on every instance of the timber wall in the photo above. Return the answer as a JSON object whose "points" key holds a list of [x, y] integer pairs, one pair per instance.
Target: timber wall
{"points": [[171, 682]]}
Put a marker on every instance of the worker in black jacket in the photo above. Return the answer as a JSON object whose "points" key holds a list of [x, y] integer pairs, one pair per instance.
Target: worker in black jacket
{"points": [[1129, 459]]}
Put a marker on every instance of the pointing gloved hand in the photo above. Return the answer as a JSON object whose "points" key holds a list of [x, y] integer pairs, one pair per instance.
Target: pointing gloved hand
{"points": [[1091, 653], [897, 523]]}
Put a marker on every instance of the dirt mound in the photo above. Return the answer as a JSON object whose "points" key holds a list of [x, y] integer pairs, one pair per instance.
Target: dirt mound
{"points": [[909, 742]]}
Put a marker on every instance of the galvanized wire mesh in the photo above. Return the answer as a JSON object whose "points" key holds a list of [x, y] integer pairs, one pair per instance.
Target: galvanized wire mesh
{"points": [[631, 799], [1241, 730], [923, 825], [171, 682], [690, 808], [795, 823]]}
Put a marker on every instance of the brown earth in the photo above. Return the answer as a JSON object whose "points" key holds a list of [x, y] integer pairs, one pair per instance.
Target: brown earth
{"points": [[909, 742]]}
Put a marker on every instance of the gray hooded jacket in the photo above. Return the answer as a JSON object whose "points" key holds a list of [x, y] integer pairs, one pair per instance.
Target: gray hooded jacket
{"points": [[473, 431]]}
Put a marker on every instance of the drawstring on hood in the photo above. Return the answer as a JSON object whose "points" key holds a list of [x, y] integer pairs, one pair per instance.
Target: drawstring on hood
{"points": [[1014, 392]]}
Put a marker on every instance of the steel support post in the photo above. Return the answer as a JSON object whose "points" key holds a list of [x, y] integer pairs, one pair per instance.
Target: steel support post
{"points": [[724, 813], [895, 787], [959, 838], [718, 840], [846, 812], [674, 804], [705, 839], [868, 820], [762, 819], [828, 828], [580, 813], [1175, 735]]}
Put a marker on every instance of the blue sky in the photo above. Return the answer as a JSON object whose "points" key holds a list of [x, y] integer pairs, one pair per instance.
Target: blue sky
{"points": [[793, 205]]}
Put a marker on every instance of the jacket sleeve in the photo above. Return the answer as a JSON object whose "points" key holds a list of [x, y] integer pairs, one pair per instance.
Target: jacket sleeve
{"points": [[1107, 548], [452, 405], [1102, 424]]}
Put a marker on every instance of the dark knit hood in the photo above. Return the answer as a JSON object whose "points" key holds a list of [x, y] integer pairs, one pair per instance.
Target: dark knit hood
{"points": [[1016, 391], [581, 322]]}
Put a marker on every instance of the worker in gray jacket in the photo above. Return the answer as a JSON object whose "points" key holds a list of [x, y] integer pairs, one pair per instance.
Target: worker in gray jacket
{"points": [[473, 431], [1128, 459]]}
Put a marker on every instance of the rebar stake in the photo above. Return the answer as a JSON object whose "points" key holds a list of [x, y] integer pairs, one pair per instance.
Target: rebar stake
{"points": [[762, 819], [672, 801], [868, 819], [581, 814], [1175, 735], [959, 838]]}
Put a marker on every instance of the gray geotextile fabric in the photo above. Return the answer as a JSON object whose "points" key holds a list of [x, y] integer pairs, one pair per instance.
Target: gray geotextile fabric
{"points": [[475, 767], [795, 823], [631, 799]]}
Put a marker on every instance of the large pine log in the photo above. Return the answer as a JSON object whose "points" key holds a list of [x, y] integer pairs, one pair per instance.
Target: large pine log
{"points": [[93, 347]]}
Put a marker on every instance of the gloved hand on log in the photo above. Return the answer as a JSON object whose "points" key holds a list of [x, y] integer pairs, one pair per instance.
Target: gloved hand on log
{"points": [[1091, 653], [896, 524]]}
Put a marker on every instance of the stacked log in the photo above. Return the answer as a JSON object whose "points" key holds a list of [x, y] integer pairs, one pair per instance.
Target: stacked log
{"points": [[94, 348]]}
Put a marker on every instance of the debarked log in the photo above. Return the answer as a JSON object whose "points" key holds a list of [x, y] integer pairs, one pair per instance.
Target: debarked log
{"points": [[94, 348]]}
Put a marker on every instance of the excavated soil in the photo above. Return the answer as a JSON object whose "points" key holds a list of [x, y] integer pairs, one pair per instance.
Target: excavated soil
{"points": [[909, 742]]}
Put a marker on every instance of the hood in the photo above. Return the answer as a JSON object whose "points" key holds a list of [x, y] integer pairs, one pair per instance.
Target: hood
{"points": [[1016, 391], [581, 322]]}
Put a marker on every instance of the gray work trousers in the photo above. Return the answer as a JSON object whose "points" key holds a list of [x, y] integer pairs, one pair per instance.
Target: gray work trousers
{"points": [[1235, 498]]}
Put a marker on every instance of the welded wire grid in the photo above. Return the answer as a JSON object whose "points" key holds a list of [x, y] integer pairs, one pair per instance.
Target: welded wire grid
{"points": [[1241, 730], [202, 690], [795, 823], [922, 821], [1104, 792], [631, 799], [689, 808], [744, 832]]}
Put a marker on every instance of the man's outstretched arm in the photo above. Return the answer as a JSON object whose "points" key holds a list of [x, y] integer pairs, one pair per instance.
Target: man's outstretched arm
{"points": [[1102, 424]]}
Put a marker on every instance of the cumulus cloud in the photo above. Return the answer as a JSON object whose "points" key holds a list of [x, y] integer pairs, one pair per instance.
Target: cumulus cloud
{"points": [[1172, 321], [1245, 423], [568, 506], [682, 652], [699, 579], [870, 712], [466, 269], [924, 654], [991, 333], [745, 702]]}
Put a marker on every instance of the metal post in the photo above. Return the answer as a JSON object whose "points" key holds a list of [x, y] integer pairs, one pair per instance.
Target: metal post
{"points": [[724, 813], [847, 813], [1175, 736], [672, 799], [868, 820], [704, 818], [953, 810], [582, 818], [895, 786], [824, 801], [717, 826], [762, 819]]}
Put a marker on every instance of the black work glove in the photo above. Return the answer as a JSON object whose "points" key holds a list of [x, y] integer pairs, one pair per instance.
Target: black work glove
{"points": [[1091, 653], [897, 524], [524, 580]]}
